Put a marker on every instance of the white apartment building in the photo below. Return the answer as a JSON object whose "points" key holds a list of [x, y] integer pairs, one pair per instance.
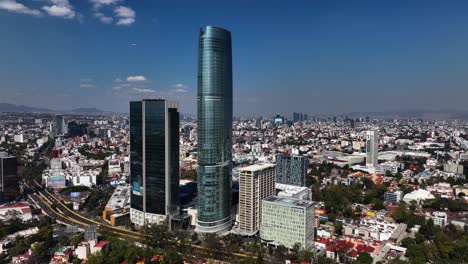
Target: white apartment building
{"points": [[256, 182], [439, 218], [287, 221]]}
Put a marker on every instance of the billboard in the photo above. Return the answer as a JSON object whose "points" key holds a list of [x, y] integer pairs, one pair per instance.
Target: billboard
{"points": [[136, 187], [56, 182]]}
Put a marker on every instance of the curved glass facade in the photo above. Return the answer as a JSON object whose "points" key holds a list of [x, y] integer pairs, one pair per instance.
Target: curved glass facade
{"points": [[214, 130]]}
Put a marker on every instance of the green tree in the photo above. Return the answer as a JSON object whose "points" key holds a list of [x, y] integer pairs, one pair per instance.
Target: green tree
{"points": [[364, 258], [338, 228], [377, 204]]}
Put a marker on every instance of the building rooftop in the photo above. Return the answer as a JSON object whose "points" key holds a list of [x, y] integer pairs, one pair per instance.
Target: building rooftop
{"points": [[288, 188], [257, 167], [289, 201], [120, 198]]}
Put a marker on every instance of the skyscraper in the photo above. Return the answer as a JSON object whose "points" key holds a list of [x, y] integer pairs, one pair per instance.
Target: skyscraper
{"points": [[256, 182], [372, 148], [154, 160], [291, 169], [214, 130], [59, 126], [9, 182]]}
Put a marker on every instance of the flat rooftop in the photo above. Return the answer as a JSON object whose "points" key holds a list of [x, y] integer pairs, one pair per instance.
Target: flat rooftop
{"points": [[257, 167], [289, 201], [288, 188], [120, 198]]}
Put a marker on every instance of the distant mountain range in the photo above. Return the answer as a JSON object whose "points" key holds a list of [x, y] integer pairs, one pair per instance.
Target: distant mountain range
{"points": [[5, 107], [444, 114]]}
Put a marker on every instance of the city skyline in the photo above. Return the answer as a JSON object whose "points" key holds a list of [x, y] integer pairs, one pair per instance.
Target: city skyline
{"points": [[233, 131], [325, 58]]}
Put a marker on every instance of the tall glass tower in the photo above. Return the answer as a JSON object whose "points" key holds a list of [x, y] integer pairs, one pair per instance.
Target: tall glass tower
{"points": [[154, 160], [214, 130]]}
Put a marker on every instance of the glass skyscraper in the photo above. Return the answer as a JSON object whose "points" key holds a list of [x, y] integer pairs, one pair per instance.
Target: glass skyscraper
{"points": [[9, 181], [154, 160], [214, 130], [59, 126]]}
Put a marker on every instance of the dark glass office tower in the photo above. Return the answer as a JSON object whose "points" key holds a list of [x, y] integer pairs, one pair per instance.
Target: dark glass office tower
{"points": [[9, 182], [214, 130], [154, 160], [59, 125]]}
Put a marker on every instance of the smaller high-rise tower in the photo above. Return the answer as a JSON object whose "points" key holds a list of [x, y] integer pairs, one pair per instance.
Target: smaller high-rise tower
{"points": [[154, 161], [372, 148], [291, 169], [9, 182], [59, 127], [256, 182]]}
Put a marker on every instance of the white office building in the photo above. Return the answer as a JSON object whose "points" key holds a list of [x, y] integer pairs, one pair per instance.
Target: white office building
{"points": [[287, 221]]}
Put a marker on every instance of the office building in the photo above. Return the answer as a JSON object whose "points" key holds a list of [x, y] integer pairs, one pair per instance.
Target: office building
{"points": [[9, 185], [299, 117], [291, 169], [372, 148], [395, 196], [278, 120], [256, 182], [154, 160], [59, 126], [287, 221], [214, 130]]}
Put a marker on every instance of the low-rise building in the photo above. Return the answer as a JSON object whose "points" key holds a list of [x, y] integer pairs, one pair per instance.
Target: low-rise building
{"points": [[20, 210], [439, 218], [392, 167], [395, 196], [418, 196], [117, 209]]}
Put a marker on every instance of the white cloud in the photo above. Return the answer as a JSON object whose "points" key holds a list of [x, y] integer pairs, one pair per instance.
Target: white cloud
{"points": [[86, 80], [103, 18], [138, 78], [118, 80], [143, 90], [117, 88], [180, 88], [126, 15], [87, 86], [98, 3], [13, 6], [60, 8]]}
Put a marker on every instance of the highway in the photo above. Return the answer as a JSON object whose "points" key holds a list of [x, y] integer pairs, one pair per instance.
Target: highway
{"points": [[55, 208]]}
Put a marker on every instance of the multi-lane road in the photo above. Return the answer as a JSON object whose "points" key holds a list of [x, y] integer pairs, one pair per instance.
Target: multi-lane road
{"points": [[55, 208], [52, 206]]}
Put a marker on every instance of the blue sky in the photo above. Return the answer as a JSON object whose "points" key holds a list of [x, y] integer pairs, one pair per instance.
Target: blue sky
{"points": [[312, 56]]}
